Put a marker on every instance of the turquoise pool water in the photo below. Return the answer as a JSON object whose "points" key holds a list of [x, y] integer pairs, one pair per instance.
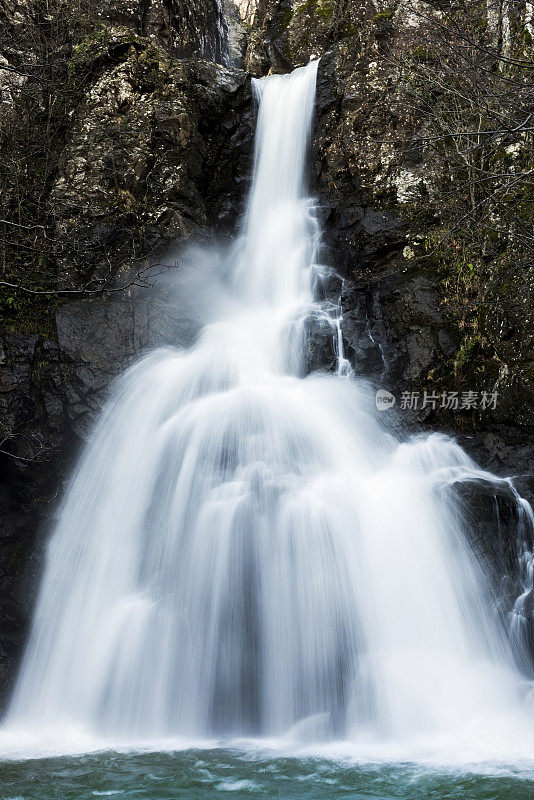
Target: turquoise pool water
{"points": [[222, 773]]}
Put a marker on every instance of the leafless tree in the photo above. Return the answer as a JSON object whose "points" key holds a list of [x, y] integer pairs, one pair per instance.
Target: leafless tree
{"points": [[49, 54], [468, 81]]}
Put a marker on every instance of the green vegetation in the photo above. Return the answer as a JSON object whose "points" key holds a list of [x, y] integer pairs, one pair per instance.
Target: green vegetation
{"points": [[384, 15]]}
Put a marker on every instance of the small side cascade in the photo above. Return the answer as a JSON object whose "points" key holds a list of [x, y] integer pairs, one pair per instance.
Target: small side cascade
{"points": [[522, 615], [214, 38]]}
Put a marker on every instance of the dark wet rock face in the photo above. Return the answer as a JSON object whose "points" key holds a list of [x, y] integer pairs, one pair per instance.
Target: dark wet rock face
{"points": [[98, 339], [192, 28], [287, 33], [499, 529], [185, 27]]}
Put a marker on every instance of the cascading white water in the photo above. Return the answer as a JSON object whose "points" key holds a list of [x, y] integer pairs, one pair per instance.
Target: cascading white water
{"points": [[244, 551]]}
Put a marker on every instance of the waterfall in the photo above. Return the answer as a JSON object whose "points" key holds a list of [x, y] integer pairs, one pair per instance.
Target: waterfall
{"points": [[214, 44], [245, 549]]}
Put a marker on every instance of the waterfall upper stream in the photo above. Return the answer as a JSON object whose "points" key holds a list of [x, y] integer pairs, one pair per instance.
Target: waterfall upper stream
{"points": [[246, 550]]}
